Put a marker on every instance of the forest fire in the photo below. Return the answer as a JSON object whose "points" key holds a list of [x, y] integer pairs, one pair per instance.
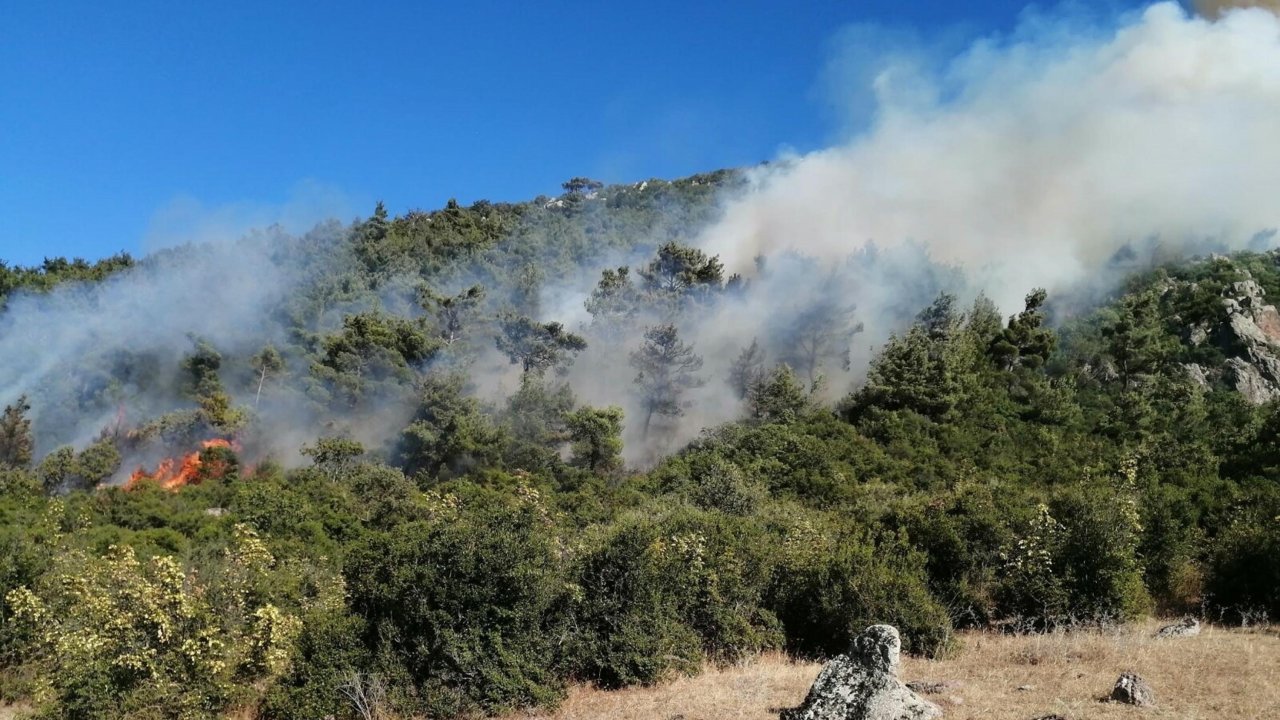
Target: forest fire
{"points": [[176, 472]]}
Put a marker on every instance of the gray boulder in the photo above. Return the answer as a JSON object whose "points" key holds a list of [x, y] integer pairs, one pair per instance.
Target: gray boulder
{"points": [[1131, 689], [1188, 627], [864, 685]]}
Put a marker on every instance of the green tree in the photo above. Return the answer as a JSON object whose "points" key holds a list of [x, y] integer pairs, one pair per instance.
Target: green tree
{"points": [[453, 314], [614, 303], [581, 185], [535, 346], [1136, 339], [469, 604], [205, 386], [747, 369], [97, 463], [449, 434], [912, 373], [57, 469], [335, 456], [1025, 342], [16, 440], [597, 438], [372, 352], [821, 333], [666, 368], [778, 397], [679, 271]]}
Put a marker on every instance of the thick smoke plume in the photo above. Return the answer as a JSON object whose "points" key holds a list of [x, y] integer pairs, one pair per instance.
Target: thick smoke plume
{"points": [[1032, 161]]}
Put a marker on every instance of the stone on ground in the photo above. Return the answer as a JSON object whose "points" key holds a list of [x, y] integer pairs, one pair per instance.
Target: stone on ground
{"points": [[1188, 627], [864, 685], [1131, 689]]}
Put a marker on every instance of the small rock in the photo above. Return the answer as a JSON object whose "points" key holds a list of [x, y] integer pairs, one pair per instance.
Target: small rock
{"points": [[932, 687], [1026, 688], [1054, 716], [1131, 689], [1188, 627]]}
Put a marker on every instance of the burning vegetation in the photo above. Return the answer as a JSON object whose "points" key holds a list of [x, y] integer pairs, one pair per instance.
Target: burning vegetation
{"points": [[175, 472]]}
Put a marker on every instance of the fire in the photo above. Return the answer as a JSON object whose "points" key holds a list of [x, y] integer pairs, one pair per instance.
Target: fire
{"points": [[175, 472]]}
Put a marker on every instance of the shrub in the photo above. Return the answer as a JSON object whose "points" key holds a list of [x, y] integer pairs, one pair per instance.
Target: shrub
{"points": [[1244, 568], [469, 604], [114, 637], [664, 589], [830, 585]]}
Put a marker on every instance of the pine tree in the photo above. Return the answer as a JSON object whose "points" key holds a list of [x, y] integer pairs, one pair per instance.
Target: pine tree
{"points": [[536, 346], [667, 368], [16, 440]]}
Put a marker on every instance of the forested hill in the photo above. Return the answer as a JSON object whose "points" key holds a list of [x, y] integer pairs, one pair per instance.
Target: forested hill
{"points": [[449, 462]]}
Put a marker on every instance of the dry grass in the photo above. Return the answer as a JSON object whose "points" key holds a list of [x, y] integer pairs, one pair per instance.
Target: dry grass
{"points": [[1219, 674]]}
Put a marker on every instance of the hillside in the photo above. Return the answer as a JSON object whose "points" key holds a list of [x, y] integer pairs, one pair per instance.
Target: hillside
{"points": [[461, 461]]}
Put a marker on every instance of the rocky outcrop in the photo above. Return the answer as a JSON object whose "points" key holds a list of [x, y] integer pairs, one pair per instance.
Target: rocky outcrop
{"points": [[1248, 334], [1188, 627], [1251, 338], [1131, 689], [864, 685]]}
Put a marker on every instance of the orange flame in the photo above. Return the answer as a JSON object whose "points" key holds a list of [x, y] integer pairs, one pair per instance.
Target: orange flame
{"points": [[175, 472]]}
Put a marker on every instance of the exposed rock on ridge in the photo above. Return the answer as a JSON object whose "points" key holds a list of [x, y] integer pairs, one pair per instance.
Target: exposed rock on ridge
{"points": [[1250, 337]]}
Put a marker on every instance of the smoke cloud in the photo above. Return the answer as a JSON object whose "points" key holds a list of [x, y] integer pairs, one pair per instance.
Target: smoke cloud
{"points": [[1031, 161]]}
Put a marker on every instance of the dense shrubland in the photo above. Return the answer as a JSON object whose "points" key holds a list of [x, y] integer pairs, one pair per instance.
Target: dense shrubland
{"points": [[988, 472]]}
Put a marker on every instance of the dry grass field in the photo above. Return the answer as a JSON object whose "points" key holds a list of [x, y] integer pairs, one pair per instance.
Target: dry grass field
{"points": [[1221, 674]]}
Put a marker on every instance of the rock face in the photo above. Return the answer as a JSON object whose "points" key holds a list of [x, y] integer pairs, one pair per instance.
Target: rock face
{"points": [[1188, 627], [1131, 689], [1251, 337], [864, 685]]}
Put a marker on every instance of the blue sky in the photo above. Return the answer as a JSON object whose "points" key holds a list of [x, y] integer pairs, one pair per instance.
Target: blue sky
{"points": [[124, 126]]}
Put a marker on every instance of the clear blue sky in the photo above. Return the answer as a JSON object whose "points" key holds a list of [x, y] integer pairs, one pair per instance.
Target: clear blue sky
{"points": [[120, 117]]}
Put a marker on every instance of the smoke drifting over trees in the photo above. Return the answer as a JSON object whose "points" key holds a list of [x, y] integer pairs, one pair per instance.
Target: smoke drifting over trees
{"points": [[1060, 156]]}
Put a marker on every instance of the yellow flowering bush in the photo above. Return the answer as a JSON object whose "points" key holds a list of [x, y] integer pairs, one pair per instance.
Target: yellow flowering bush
{"points": [[114, 636]]}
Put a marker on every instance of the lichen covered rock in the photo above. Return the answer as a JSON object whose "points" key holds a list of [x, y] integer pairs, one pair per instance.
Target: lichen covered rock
{"points": [[864, 685], [1188, 627], [1131, 689]]}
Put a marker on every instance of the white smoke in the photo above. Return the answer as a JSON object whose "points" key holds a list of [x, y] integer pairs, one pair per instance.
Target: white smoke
{"points": [[1030, 161]]}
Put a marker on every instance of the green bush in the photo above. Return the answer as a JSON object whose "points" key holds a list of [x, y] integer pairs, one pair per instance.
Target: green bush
{"points": [[830, 585], [1244, 568], [1077, 561], [961, 534], [329, 654], [666, 588], [469, 604]]}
